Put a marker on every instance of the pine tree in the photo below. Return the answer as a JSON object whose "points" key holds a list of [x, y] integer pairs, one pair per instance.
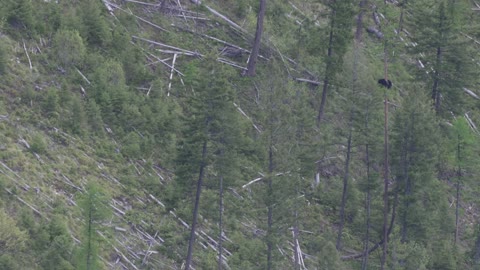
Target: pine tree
{"points": [[56, 251], [436, 29], [462, 149], [423, 213], [19, 14], [94, 28], [208, 138], [110, 92], [339, 36], [69, 48], [94, 117], [95, 209], [286, 144], [12, 238]]}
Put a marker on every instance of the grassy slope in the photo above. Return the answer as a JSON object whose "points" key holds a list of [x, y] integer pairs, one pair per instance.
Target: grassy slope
{"points": [[64, 163]]}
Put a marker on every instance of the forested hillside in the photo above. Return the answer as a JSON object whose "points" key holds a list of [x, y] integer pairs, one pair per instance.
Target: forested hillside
{"points": [[228, 134]]}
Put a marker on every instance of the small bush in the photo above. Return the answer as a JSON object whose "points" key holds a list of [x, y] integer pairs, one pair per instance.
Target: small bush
{"points": [[69, 48], [38, 144]]}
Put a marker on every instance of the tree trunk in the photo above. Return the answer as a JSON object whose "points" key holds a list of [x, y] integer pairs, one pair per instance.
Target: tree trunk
{"points": [[345, 186], [220, 225], [295, 241], [350, 126], [476, 251], [367, 208], [195, 208], [270, 210], [326, 80], [456, 211], [436, 79], [385, 183], [252, 61], [359, 30], [380, 243], [408, 191], [407, 162], [90, 235], [296, 248], [402, 11], [457, 199], [358, 41]]}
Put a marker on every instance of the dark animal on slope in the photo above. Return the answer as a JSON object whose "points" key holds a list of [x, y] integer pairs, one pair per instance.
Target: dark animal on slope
{"points": [[385, 83]]}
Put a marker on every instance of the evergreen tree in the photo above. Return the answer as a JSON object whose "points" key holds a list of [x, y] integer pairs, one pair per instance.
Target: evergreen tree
{"points": [[330, 259], [463, 146], [58, 247], [69, 48], [436, 28], [413, 161], [51, 103], [110, 92], [286, 143], [208, 137], [94, 118], [423, 213], [12, 239], [363, 110], [339, 36], [74, 120], [94, 207], [19, 14], [94, 28], [47, 17]]}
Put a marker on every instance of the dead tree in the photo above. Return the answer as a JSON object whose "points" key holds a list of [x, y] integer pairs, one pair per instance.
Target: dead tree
{"points": [[252, 60]]}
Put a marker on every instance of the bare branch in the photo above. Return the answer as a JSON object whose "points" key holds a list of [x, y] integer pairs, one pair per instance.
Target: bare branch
{"points": [[225, 19], [83, 76], [171, 74], [28, 56]]}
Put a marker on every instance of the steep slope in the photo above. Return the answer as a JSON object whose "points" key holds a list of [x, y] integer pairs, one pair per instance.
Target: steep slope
{"points": [[105, 106]]}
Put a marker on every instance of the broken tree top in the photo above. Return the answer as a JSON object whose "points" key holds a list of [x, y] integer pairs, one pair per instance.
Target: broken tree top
{"points": [[385, 83]]}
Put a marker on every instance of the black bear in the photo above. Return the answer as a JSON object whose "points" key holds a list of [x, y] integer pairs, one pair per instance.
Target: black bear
{"points": [[385, 83]]}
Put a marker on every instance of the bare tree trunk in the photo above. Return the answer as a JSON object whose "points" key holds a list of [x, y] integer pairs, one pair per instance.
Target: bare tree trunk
{"points": [[385, 183], [195, 208], [406, 178], [367, 207], [345, 185], [220, 225], [321, 109], [408, 191], [252, 61], [358, 41], [350, 127], [402, 11], [367, 197], [368, 194]]}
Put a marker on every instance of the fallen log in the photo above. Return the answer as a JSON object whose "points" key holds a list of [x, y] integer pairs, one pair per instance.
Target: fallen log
{"points": [[375, 31]]}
